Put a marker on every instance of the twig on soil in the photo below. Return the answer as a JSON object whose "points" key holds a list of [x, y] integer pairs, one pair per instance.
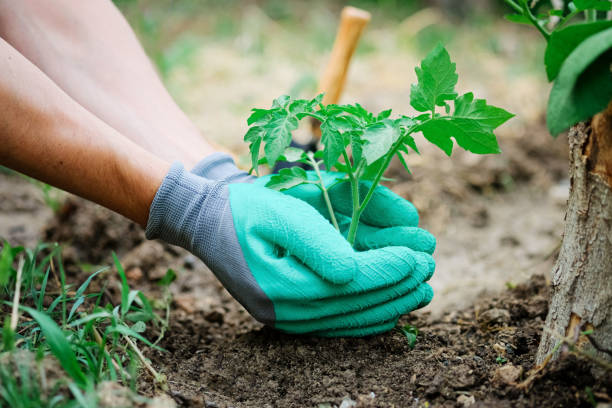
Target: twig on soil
{"points": [[159, 378]]}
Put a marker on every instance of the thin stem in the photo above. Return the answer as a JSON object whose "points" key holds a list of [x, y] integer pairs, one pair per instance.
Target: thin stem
{"points": [[314, 115], [514, 6], [567, 18], [352, 233], [330, 209], [526, 11], [590, 15], [15, 313], [142, 358]]}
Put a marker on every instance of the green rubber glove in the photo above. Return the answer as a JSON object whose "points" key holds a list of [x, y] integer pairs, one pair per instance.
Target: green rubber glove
{"points": [[388, 219], [284, 262]]}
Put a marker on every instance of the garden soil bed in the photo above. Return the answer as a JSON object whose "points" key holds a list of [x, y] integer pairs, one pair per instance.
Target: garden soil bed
{"points": [[498, 220]]}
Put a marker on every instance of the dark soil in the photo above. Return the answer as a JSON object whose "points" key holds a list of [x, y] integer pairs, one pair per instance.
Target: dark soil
{"points": [[217, 355]]}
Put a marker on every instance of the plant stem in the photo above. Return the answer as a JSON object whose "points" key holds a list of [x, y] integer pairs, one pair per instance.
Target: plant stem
{"points": [[514, 6], [315, 166], [352, 233], [526, 11], [15, 312], [590, 15]]}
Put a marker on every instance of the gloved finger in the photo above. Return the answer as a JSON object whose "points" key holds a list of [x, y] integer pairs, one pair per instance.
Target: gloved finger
{"points": [[368, 317], [359, 331], [385, 209], [415, 238], [298, 230], [320, 302]]}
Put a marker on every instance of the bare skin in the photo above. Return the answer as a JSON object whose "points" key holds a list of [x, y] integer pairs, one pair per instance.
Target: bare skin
{"points": [[47, 135], [88, 49], [84, 99]]}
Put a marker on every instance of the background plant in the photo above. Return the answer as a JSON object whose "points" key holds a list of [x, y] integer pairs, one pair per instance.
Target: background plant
{"points": [[92, 342], [578, 61], [360, 145]]}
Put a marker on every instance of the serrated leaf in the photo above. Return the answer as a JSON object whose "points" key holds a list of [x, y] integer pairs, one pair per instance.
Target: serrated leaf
{"points": [[383, 115], [293, 154], [287, 178], [488, 116], [584, 84], [403, 161], [437, 78], [258, 116], [378, 139], [407, 121], [409, 140], [281, 102], [601, 5], [277, 136], [372, 170], [468, 133], [562, 42], [333, 141]]}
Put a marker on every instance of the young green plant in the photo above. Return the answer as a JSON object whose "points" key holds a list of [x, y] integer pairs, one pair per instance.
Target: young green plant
{"points": [[360, 145]]}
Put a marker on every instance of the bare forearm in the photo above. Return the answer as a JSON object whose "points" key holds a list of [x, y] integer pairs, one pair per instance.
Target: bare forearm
{"points": [[88, 49], [47, 135]]}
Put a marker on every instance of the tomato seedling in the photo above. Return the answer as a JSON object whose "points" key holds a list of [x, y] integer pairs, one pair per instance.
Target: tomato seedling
{"points": [[373, 140]]}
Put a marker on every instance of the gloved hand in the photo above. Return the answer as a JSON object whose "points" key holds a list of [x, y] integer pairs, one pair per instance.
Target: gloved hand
{"points": [[388, 220], [283, 261]]}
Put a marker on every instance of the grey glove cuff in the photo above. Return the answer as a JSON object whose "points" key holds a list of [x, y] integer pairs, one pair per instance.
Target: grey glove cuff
{"points": [[221, 167], [195, 213], [186, 210]]}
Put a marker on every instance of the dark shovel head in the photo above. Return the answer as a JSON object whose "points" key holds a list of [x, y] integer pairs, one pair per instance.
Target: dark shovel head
{"points": [[309, 147]]}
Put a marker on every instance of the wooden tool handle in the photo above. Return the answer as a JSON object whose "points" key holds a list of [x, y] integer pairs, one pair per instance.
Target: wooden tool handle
{"points": [[352, 23]]}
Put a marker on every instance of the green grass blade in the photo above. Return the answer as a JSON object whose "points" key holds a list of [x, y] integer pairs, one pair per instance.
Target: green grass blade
{"points": [[125, 288], [59, 345]]}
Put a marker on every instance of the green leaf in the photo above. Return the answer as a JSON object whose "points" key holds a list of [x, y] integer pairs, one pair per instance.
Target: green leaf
{"points": [[125, 288], [8, 335], [277, 135], [59, 345], [281, 102], [562, 42], [601, 5], [293, 154], [584, 84], [333, 142], [168, 278], [409, 140], [403, 161], [254, 149], [131, 333], [139, 327], [258, 116], [372, 170], [379, 138], [411, 333], [468, 133], [489, 117], [287, 178], [518, 18], [7, 256], [383, 115], [437, 78]]}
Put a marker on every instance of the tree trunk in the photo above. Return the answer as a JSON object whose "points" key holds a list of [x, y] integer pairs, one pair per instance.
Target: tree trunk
{"points": [[582, 276]]}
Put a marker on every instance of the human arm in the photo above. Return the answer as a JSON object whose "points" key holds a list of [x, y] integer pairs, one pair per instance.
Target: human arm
{"points": [[47, 135], [88, 49]]}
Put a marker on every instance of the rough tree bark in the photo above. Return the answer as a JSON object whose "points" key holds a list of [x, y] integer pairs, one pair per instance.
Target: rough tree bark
{"points": [[582, 276]]}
